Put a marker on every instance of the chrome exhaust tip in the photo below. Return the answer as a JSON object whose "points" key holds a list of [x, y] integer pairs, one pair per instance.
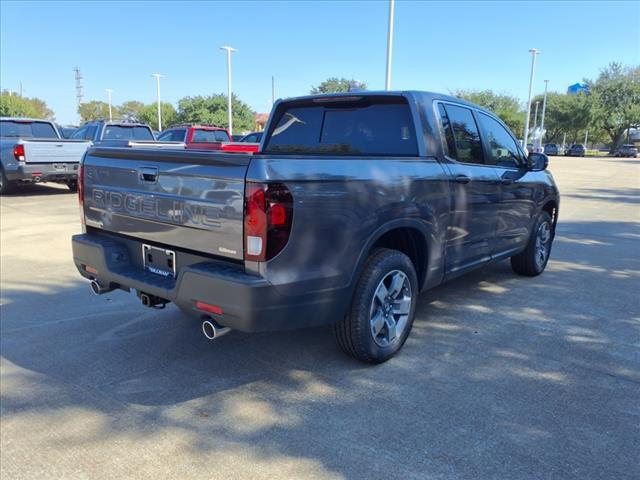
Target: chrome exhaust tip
{"points": [[98, 289], [212, 330], [36, 179]]}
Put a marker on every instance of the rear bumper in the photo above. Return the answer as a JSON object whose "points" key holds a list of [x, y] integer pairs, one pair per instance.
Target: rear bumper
{"points": [[249, 303], [45, 172]]}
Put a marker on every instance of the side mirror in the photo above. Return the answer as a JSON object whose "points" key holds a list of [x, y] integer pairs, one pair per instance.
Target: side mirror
{"points": [[537, 162]]}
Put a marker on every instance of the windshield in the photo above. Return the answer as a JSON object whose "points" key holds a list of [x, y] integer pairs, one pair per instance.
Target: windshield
{"points": [[127, 132], [360, 126], [17, 128]]}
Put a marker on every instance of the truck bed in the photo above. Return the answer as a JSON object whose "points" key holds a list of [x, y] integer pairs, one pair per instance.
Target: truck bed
{"points": [[183, 199]]}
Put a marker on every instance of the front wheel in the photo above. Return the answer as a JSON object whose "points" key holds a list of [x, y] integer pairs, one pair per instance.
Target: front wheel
{"points": [[382, 309], [533, 260]]}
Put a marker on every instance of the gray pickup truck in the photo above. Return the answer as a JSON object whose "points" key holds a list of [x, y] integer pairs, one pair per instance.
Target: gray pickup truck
{"points": [[33, 151], [353, 205], [121, 134]]}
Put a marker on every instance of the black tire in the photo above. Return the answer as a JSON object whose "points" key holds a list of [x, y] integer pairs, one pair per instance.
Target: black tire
{"points": [[355, 332], [529, 261], [72, 185], [6, 186]]}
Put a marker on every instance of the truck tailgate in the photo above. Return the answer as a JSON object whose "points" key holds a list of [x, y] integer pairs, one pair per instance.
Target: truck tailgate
{"points": [[54, 151], [177, 198]]}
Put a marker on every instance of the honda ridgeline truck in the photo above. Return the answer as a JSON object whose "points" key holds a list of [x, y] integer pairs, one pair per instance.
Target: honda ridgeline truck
{"points": [[32, 151], [355, 204]]}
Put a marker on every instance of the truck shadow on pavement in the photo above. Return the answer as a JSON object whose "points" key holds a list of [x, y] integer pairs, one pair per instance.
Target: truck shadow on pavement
{"points": [[502, 376], [33, 190]]}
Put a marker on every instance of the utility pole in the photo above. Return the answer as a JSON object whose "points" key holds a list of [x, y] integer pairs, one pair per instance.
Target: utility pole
{"points": [[79, 94], [387, 83], [534, 52], [273, 90], [109, 92], [229, 112], [586, 137], [564, 139], [544, 109], [20, 89], [158, 77]]}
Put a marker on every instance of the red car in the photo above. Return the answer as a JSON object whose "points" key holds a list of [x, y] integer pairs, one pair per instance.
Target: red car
{"points": [[204, 137]]}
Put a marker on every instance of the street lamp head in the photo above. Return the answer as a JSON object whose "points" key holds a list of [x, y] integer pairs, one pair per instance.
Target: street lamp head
{"points": [[157, 75], [228, 49], [534, 51]]}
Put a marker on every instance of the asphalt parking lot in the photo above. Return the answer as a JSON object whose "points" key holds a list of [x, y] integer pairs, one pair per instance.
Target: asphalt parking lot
{"points": [[502, 377]]}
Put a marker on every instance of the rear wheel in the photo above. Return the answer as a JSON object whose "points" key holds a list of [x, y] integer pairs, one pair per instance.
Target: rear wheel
{"points": [[382, 309], [6, 186], [72, 185], [533, 260]]}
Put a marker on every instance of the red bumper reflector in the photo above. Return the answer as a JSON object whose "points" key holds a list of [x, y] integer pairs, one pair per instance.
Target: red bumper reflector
{"points": [[90, 269], [205, 307]]}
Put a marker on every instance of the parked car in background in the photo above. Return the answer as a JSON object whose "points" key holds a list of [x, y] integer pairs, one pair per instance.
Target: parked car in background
{"points": [[357, 203], [67, 132], [628, 150], [98, 131], [253, 137], [575, 150], [236, 138], [551, 149], [32, 151], [205, 137], [530, 147]]}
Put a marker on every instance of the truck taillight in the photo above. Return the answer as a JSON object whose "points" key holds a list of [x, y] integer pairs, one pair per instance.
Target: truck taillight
{"points": [[18, 152], [268, 214], [81, 194]]}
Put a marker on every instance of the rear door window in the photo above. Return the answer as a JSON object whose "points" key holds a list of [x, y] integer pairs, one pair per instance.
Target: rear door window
{"points": [[466, 138], [359, 126]]}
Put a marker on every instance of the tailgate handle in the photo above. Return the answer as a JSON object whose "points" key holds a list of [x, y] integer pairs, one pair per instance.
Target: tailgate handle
{"points": [[148, 174]]}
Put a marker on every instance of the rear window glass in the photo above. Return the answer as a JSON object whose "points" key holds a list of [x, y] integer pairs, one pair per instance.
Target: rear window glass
{"points": [[368, 127], [9, 128], [172, 136], [210, 136], [124, 132]]}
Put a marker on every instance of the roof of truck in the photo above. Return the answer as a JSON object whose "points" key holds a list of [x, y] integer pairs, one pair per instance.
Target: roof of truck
{"points": [[25, 119], [391, 93]]}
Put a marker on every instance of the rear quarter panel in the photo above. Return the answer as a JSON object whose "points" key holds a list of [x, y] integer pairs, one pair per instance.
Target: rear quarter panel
{"points": [[342, 205]]}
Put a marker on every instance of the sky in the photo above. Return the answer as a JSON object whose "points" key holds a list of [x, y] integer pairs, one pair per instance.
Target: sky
{"points": [[438, 46]]}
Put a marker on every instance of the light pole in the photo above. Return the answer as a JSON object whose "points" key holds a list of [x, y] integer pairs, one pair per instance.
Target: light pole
{"points": [[535, 121], [544, 109], [534, 52], [273, 90], [229, 51], [387, 83], [158, 77], [109, 92]]}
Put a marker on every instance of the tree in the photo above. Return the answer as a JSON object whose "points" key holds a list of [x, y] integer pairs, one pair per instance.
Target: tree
{"points": [[213, 109], [504, 106], [336, 85], [565, 114], [615, 99], [95, 110], [130, 111], [17, 106], [149, 114]]}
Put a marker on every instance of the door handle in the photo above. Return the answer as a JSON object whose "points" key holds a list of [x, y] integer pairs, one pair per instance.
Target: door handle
{"points": [[462, 179], [148, 174]]}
